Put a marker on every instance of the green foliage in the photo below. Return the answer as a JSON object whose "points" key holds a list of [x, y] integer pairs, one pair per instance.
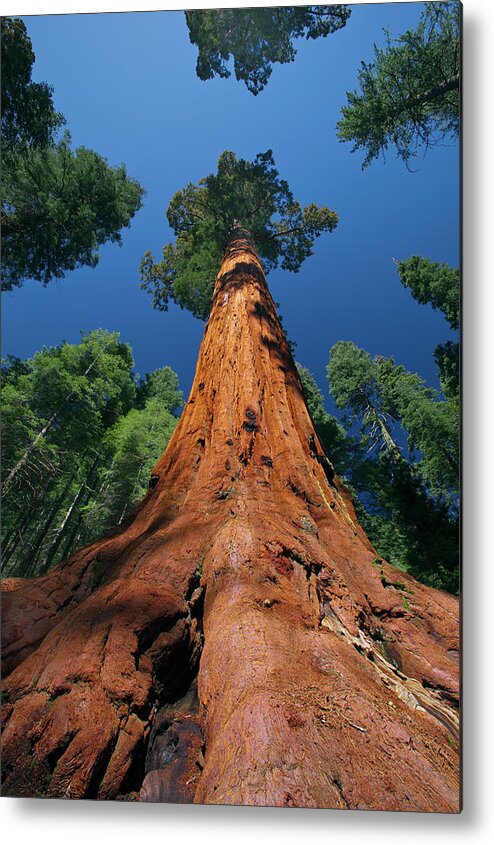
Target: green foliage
{"points": [[438, 285], [447, 357], [134, 443], [406, 506], [431, 423], [337, 444], [58, 205], [61, 401], [377, 393], [28, 114], [20, 426], [353, 377], [83, 438], [410, 528], [409, 94], [256, 38], [87, 384], [354, 384], [161, 384], [434, 283], [202, 216]]}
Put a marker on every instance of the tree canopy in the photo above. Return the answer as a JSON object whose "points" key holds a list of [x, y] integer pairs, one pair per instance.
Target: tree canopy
{"points": [[62, 399], [131, 448], [58, 205], [28, 113], [409, 95], [353, 377], [202, 216], [431, 423], [408, 528], [447, 358], [256, 38], [161, 384]]}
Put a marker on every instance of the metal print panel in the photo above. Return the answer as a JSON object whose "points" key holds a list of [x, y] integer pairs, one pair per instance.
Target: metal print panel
{"points": [[249, 597]]}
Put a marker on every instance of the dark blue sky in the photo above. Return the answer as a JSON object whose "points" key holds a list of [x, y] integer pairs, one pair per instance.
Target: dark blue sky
{"points": [[127, 86]]}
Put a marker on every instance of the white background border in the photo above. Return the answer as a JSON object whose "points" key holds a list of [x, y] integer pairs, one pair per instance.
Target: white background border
{"points": [[41, 822]]}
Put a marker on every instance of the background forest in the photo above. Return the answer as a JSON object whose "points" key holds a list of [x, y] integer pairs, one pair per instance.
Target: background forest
{"points": [[373, 314]]}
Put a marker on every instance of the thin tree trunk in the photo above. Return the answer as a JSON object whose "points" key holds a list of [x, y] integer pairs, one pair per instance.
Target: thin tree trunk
{"points": [[28, 542], [386, 436], [16, 536], [74, 538], [383, 430], [34, 547], [320, 683], [66, 550], [74, 535], [63, 526], [60, 532]]}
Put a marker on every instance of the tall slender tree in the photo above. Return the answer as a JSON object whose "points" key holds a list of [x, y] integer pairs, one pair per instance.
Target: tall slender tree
{"points": [[245, 576]]}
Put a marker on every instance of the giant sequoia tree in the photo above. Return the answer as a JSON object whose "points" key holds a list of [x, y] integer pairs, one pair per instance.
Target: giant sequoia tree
{"points": [[235, 640]]}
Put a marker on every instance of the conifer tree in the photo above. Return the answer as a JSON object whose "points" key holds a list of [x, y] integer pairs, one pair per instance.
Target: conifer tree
{"points": [[438, 285], [80, 438], [409, 96], [405, 473]]}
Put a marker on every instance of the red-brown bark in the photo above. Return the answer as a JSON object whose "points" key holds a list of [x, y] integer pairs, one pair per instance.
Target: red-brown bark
{"points": [[325, 678]]}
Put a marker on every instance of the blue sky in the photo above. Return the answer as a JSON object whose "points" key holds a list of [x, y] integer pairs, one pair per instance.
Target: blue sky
{"points": [[127, 86]]}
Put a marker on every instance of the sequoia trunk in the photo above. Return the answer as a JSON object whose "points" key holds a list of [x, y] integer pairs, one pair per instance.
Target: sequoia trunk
{"points": [[236, 639]]}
